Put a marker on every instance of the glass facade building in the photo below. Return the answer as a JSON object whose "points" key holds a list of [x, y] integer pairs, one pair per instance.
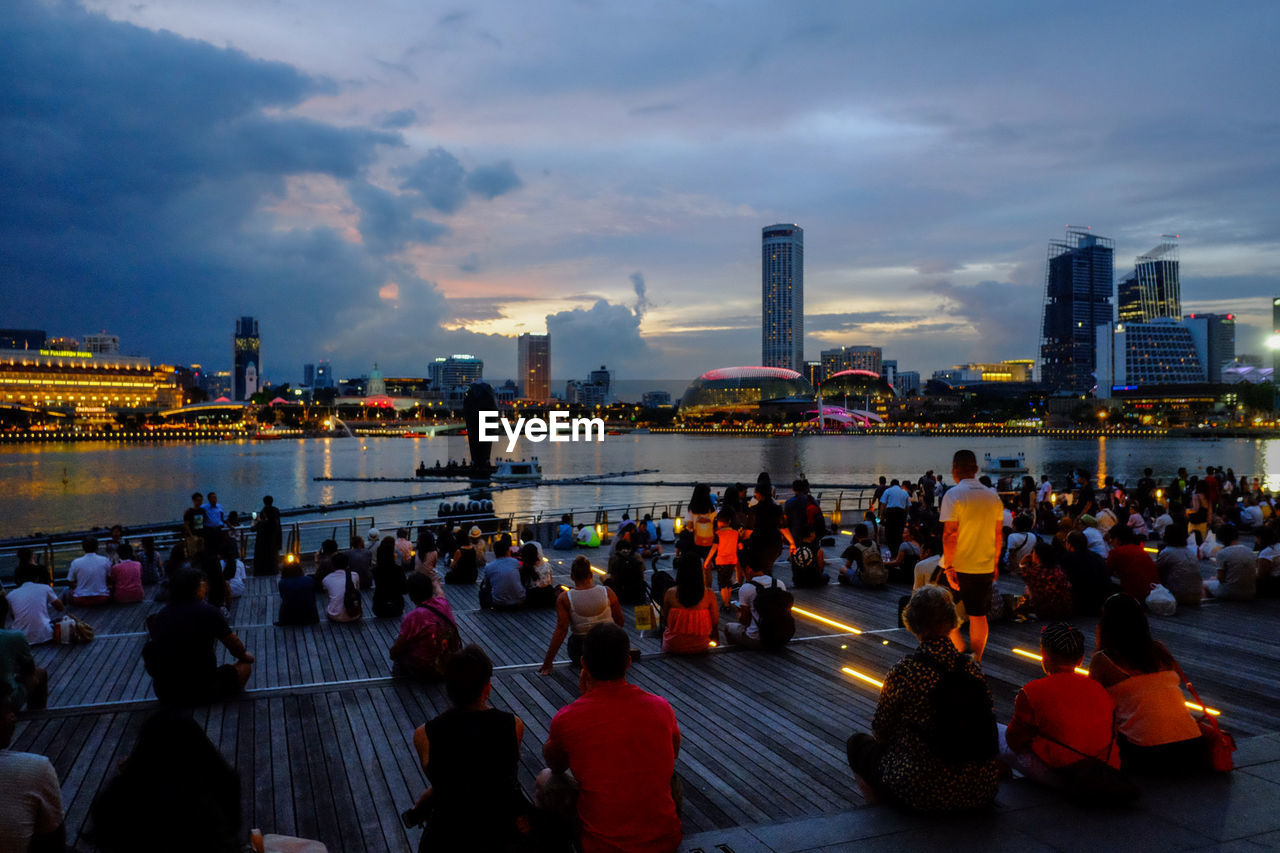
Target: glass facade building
{"points": [[1153, 290], [782, 296], [247, 359], [1079, 281], [533, 354]]}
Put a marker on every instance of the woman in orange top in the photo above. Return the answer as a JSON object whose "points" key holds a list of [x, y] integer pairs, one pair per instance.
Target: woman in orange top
{"points": [[724, 556], [689, 611]]}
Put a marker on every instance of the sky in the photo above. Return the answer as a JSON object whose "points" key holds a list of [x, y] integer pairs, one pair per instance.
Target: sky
{"points": [[395, 180]]}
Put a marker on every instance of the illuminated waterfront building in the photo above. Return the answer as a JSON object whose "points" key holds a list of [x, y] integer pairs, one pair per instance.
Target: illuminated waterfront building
{"points": [[1014, 370], [1163, 352], [728, 389], [90, 386], [1079, 281], [533, 357], [782, 297], [840, 359], [248, 358]]}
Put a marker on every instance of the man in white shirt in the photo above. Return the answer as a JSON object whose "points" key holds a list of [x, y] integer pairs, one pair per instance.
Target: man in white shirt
{"points": [[746, 632], [87, 576], [29, 606], [972, 519], [666, 529], [1046, 488], [30, 797]]}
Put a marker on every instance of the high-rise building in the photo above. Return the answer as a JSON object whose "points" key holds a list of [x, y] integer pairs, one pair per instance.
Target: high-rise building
{"points": [[1078, 283], [308, 375], [1153, 290], [782, 295], [841, 359], [450, 377], [533, 357], [1274, 341], [908, 384], [248, 364], [324, 375], [1162, 352], [1219, 334], [889, 370]]}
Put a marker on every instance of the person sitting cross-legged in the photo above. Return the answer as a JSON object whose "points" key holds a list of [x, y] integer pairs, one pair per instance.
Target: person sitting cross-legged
{"points": [[30, 797], [690, 613], [502, 588], [578, 610], [428, 633]]}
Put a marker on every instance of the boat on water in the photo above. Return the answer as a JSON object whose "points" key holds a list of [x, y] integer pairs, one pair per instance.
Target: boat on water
{"points": [[1004, 464], [509, 471]]}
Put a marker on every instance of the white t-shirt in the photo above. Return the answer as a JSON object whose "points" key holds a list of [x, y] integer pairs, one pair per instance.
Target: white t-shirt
{"points": [[1272, 553], [238, 580], [980, 516], [30, 799], [1043, 494], [1162, 521], [336, 586], [924, 570], [1251, 516], [1097, 544], [90, 574], [747, 598], [29, 607], [667, 529]]}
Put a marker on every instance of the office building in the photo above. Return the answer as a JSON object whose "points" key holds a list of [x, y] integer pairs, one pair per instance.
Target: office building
{"points": [[782, 297], [12, 339], [308, 375], [533, 364], [597, 390], [1079, 279], [102, 344], [324, 376], [450, 377], [889, 370], [852, 358], [1162, 352], [908, 383], [1219, 334], [247, 361], [1153, 290]]}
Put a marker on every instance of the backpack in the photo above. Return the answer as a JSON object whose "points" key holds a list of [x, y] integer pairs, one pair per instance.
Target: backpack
{"points": [[964, 727], [803, 559], [815, 519], [873, 570], [659, 584], [704, 530], [776, 623], [351, 600], [447, 643]]}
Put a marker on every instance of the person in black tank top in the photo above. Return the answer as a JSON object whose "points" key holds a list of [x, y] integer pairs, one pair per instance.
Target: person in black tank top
{"points": [[469, 754]]}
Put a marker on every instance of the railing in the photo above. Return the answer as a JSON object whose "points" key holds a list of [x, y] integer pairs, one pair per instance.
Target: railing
{"points": [[303, 538]]}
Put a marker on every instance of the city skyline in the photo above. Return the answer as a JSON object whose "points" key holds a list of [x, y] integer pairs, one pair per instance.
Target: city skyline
{"points": [[365, 205]]}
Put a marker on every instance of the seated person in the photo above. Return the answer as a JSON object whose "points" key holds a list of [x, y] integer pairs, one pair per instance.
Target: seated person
{"points": [[750, 630], [336, 584], [689, 611], [1268, 563], [470, 754], [1128, 562], [359, 560], [646, 541], [1157, 732], [28, 684], [578, 609], [324, 558], [388, 581], [180, 651], [1237, 578], [30, 797], [902, 567], [467, 560], [564, 535], [502, 588], [1180, 571], [1060, 719], [588, 536], [87, 576], [297, 597], [175, 782], [29, 605], [897, 761], [928, 570], [863, 563], [1048, 592], [1019, 544], [233, 569], [535, 573], [125, 577], [808, 561], [626, 572], [428, 633]]}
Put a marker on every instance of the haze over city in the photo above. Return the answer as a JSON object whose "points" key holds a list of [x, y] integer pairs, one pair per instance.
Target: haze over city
{"points": [[387, 183]]}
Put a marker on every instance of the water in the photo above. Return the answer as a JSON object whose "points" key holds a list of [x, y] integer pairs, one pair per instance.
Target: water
{"points": [[59, 487]]}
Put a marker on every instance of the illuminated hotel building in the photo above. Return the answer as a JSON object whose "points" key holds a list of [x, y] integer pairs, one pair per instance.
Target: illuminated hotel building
{"points": [[782, 295], [89, 385]]}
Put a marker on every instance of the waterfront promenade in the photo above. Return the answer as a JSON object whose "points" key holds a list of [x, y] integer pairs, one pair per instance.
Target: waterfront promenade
{"points": [[322, 738]]}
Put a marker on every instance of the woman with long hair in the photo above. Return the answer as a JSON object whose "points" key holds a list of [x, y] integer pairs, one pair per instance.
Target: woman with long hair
{"points": [[535, 574], [388, 581], [689, 610]]}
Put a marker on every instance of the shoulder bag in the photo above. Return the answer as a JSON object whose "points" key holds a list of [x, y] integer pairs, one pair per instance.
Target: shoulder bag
{"points": [[1220, 744]]}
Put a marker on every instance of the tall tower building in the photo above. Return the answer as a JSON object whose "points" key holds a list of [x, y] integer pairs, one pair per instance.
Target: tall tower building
{"points": [[533, 357], [1218, 332], [1274, 341], [782, 295], [1152, 291], [247, 355], [1078, 283]]}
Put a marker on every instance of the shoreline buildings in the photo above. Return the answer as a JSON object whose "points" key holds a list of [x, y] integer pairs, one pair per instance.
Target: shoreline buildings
{"points": [[782, 297]]}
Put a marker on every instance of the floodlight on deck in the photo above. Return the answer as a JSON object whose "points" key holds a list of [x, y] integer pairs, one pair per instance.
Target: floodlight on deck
{"points": [[809, 614], [861, 676]]}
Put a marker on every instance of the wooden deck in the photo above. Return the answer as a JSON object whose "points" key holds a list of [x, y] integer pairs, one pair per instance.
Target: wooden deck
{"points": [[322, 738]]}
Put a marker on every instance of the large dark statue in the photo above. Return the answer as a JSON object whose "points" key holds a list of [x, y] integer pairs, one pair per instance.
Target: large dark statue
{"points": [[479, 398]]}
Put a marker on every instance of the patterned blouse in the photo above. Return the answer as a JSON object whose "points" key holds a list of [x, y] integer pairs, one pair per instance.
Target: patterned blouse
{"points": [[909, 770], [1049, 589]]}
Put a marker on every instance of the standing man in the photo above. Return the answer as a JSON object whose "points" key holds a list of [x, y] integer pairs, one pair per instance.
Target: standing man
{"points": [[266, 544], [972, 519], [214, 520], [620, 742], [193, 523], [894, 501]]}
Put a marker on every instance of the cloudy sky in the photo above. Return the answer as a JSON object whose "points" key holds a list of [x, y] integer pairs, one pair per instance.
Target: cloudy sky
{"points": [[393, 180]]}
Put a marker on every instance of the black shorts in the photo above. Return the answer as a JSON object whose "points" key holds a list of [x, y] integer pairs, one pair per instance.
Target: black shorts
{"points": [[974, 592], [726, 575]]}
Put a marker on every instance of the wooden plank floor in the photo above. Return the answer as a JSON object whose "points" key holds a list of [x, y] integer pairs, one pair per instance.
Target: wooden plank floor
{"points": [[323, 737]]}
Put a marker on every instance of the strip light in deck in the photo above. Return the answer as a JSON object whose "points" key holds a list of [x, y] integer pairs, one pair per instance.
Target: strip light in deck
{"points": [[600, 572], [809, 614], [1192, 705], [861, 676]]}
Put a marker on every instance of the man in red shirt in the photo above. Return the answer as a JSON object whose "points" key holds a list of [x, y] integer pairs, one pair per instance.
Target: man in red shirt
{"points": [[1130, 564], [620, 743]]}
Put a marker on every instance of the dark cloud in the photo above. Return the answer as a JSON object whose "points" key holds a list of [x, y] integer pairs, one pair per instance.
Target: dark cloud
{"points": [[604, 332], [489, 182], [397, 119], [387, 219], [471, 263], [438, 177], [642, 296]]}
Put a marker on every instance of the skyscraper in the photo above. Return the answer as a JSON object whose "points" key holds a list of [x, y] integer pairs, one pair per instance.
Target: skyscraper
{"points": [[1078, 283], [782, 295], [1152, 291], [247, 356], [1219, 334], [308, 375], [860, 357], [533, 356], [324, 375]]}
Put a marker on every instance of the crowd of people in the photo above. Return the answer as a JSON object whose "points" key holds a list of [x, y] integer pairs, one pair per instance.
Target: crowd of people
{"points": [[610, 782]]}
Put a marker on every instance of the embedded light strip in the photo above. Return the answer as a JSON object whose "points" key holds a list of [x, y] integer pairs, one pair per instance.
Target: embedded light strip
{"points": [[862, 677], [1192, 705], [808, 614]]}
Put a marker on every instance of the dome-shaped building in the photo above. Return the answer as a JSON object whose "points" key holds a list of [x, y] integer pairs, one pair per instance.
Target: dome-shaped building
{"points": [[862, 390], [743, 388]]}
